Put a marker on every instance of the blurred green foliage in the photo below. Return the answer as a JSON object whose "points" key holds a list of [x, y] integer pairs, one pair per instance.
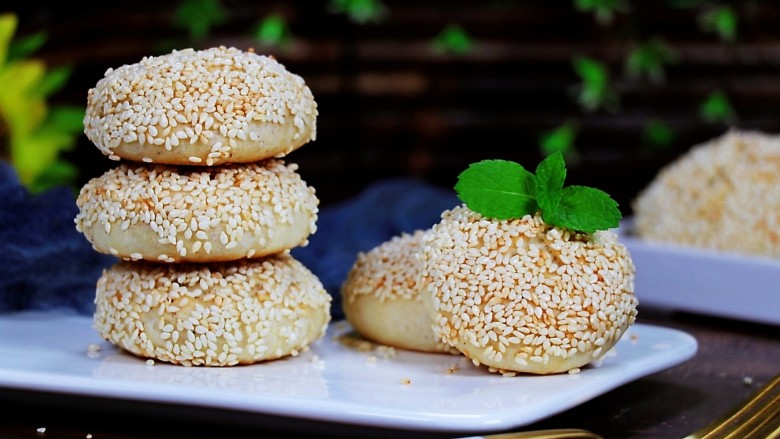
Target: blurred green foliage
{"points": [[272, 31], [717, 108], [595, 90], [33, 134], [604, 11], [720, 20], [360, 11], [453, 39], [198, 17], [648, 60]]}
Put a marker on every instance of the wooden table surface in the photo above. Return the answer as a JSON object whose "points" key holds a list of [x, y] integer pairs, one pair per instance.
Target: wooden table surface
{"points": [[733, 360]]}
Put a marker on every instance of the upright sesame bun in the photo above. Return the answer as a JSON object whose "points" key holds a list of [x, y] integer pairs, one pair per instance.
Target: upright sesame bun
{"points": [[381, 296], [522, 296], [206, 107], [202, 214], [723, 194], [212, 314]]}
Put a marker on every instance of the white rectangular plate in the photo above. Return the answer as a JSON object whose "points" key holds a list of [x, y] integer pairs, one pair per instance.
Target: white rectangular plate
{"points": [[333, 381], [704, 281]]}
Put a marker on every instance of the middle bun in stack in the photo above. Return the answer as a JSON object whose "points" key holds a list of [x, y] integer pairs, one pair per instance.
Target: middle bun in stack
{"points": [[203, 210], [218, 213]]}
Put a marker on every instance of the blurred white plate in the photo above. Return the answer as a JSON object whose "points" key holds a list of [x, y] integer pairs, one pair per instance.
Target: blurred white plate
{"points": [[331, 382], [704, 281]]}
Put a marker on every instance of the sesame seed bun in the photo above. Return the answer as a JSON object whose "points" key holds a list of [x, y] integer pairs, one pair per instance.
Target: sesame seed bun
{"points": [[520, 296], [197, 214], [212, 314], [723, 194], [205, 107], [381, 296]]}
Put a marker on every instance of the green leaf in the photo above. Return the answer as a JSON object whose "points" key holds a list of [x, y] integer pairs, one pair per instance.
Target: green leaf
{"points": [[54, 80], [66, 118], [587, 209], [272, 31], [360, 11], [560, 139], [721, 21], [657, 134], [502, 190], [604, 11], [199, 16], [26, 46], [8, 23], [59, 173], [647, 60], [453, 39], [497, 189], [550, 175], [717, 108], [595, 90]]}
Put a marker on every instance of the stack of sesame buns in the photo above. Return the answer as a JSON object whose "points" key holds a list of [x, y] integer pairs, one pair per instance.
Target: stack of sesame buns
{"points": [[723, 194], [518, 296], [202, 210]]}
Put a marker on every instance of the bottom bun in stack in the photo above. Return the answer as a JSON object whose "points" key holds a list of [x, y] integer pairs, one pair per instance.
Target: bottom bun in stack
{"points": [[212, 314]]}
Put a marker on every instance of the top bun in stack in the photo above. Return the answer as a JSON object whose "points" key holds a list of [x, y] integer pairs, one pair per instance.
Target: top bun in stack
{"points": [[207, 107]]}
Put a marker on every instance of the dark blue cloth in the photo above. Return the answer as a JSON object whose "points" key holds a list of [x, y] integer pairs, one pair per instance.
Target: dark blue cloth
{"points": [[47, 264]]}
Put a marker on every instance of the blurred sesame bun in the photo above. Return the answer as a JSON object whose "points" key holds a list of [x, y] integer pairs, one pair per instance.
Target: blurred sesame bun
{"points": [[206, 107], [381, 296], [723, 194], [212, 314], [520, 296], [197, 214]]}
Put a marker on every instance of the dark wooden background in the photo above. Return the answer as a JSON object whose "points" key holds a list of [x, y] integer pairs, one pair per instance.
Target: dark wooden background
{"points": [[391, 106]]}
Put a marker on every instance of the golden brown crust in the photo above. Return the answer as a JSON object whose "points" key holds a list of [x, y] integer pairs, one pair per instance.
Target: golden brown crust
{"points": [[242, 312], [171, 214], [207, 107], [721, 195], [520, 296], [381, 296]]}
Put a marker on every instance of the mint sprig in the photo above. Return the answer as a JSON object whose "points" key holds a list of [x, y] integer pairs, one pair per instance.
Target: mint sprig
{"points": [[502, 189]]}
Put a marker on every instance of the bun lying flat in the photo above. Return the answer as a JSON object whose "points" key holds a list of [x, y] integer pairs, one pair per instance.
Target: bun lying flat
{"points": [[522, 296], [208, 107], [212, 314], [381, 296], [197, 214]]}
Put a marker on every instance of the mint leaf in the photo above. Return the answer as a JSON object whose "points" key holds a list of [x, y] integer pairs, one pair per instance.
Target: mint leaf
{"points": [[502, 189], [497, 189], [586, 209], [550, 174]]}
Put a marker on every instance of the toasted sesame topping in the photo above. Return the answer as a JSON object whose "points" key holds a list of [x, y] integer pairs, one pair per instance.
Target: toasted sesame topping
{"points": [[389, 271], [520, 295], [723, 194], [222, 98], [168, 213], [212, 314]]}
